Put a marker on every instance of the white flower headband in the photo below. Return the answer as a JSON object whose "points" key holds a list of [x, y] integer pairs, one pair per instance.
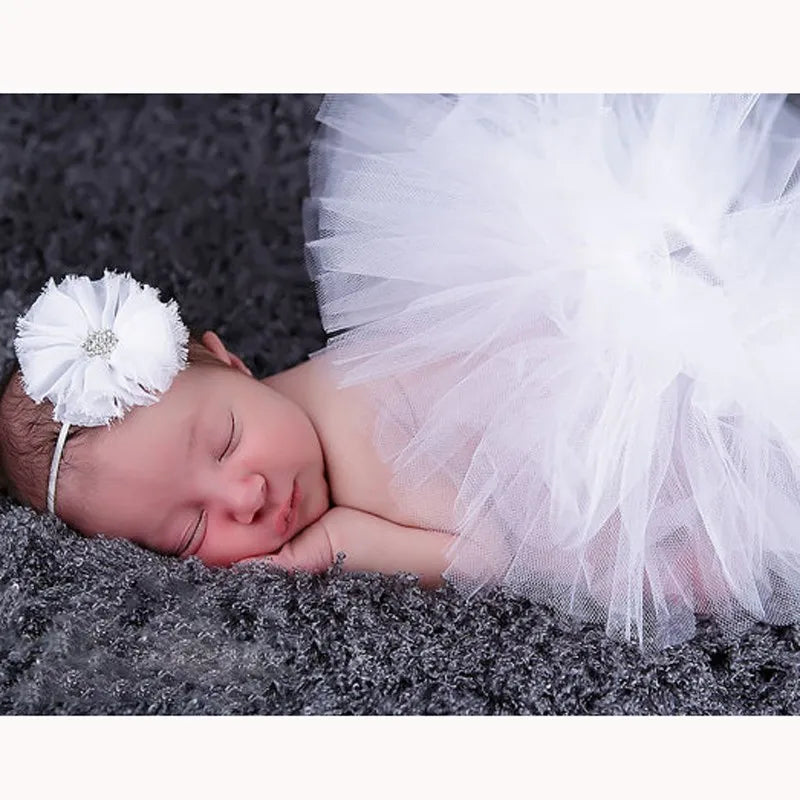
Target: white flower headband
{"points": [[95, 349]]}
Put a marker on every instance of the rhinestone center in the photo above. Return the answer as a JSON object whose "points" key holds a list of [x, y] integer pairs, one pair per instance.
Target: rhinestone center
{"points": [[100, 343]]}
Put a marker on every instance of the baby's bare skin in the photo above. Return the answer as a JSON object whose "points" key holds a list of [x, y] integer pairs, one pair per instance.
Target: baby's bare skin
{"points": [[226, 469], [344, 419], [366, 521], [357, 478]]}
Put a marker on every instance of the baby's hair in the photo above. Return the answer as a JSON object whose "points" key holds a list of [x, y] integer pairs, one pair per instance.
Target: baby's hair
{"points": [[28, 434]]}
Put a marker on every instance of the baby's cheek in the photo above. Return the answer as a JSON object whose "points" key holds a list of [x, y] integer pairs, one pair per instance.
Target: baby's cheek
{"points": [[225, 548]]}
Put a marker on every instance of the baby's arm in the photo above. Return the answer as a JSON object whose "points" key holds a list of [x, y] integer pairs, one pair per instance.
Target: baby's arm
{"points": [[369, 543], [374, 544]]}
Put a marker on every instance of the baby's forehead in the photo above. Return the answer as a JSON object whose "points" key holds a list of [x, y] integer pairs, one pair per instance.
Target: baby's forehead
{"points": [[193, 387], [192, 399], [206, 374]]}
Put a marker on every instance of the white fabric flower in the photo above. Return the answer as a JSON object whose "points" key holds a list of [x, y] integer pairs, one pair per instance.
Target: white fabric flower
{"points": [[95, 349]]}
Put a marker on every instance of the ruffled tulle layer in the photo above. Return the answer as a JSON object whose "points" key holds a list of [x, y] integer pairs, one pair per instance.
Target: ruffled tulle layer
{"points": [[592, 305]]}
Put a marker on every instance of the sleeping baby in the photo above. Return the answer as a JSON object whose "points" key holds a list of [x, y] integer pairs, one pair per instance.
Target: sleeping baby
{"points": [[221, 466]]}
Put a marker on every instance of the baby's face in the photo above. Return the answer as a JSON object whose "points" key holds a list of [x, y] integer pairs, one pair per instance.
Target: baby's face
{"points": [[206, 471]]}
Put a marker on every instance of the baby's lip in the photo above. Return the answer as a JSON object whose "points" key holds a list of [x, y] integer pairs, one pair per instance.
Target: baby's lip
{"points": [[281, 528]]}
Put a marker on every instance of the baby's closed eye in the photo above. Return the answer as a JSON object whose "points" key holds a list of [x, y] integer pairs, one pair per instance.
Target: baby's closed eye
{"points": [[230, 438]]}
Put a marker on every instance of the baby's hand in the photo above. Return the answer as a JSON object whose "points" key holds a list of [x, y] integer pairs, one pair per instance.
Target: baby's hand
{"points": [[369, 544], [308, 551]]}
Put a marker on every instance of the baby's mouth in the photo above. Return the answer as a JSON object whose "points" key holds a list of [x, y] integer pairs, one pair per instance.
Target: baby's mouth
{"points": [[286, 518]]}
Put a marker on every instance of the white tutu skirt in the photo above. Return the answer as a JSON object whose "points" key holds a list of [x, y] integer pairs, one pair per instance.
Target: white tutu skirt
{"points": [[590, 309]]}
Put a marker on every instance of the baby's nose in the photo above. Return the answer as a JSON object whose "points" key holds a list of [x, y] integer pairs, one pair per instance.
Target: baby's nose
{"points": [[251, 500]]}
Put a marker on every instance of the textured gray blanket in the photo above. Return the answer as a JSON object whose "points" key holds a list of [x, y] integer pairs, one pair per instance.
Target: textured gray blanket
{"points": [[200, 196]]}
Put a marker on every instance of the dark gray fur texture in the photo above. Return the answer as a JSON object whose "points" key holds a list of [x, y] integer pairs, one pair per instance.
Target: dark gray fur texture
{"points": [[200, 196]]}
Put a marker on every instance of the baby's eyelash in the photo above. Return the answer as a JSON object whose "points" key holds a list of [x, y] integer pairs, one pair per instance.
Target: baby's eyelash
{"points": [[196, 530], [187, 541], [230, 441]]}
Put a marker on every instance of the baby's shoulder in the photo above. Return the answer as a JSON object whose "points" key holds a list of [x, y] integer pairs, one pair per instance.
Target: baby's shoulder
{"points": [[345, 419]]}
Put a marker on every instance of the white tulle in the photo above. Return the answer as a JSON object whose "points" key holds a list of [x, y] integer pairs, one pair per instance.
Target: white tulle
{"points": [[592, 305]]}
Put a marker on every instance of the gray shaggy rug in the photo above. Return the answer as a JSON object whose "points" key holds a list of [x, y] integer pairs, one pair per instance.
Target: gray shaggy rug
{"points": [[200, 196]]}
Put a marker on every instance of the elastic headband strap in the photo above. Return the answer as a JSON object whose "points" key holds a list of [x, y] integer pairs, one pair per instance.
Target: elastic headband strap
{"points": [[51, 486]]}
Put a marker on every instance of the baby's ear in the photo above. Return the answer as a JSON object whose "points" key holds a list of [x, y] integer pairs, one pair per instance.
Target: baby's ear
{"points": [[210, 340]]}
